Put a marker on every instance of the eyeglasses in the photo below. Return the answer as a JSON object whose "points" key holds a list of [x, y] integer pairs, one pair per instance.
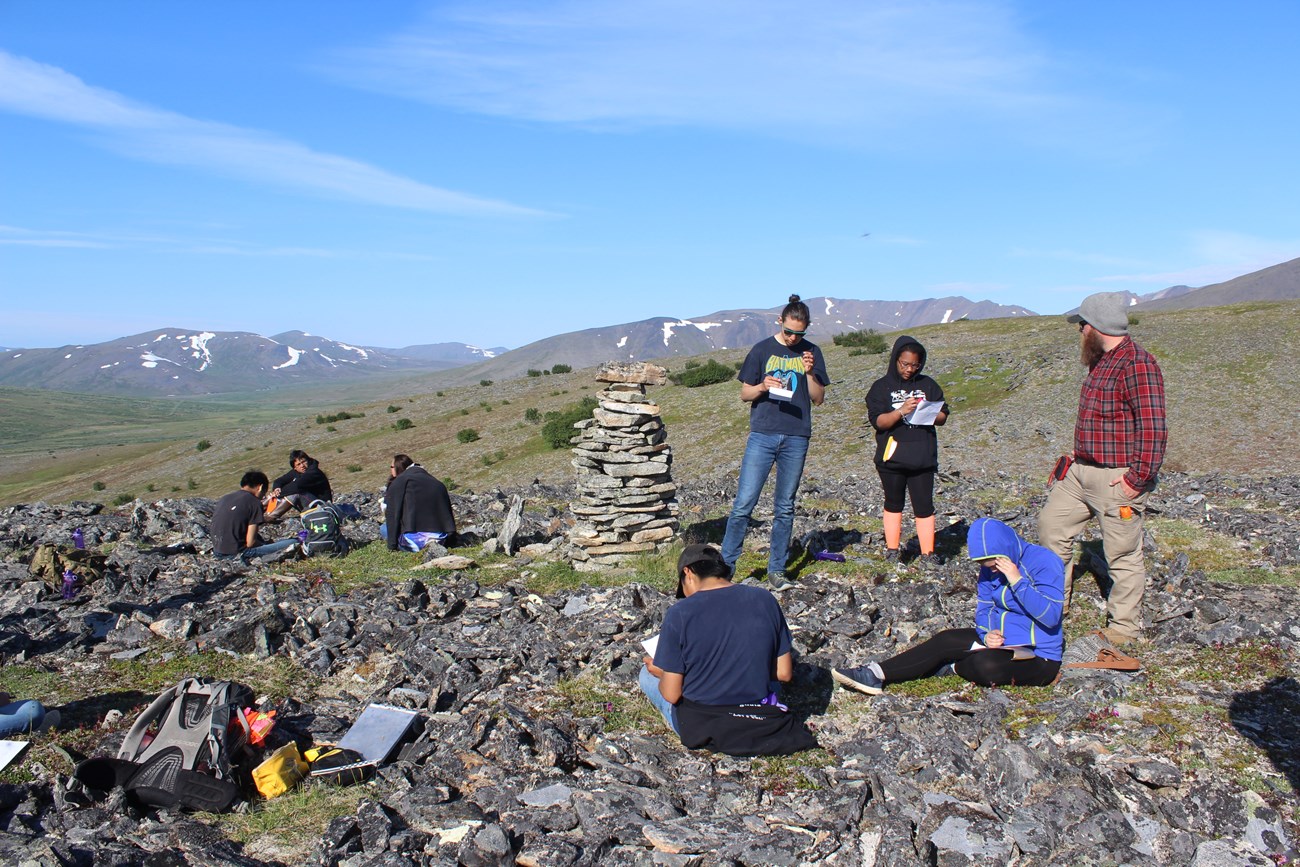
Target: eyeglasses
{"points": [[794, 333], [907, 365], [1082, 325]]}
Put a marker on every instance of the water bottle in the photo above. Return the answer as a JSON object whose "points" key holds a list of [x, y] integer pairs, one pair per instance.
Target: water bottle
{"points": [[78, 539], [69, 584]]}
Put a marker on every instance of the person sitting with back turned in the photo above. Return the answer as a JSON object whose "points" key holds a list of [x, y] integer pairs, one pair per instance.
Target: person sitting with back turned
{"points": [[300, 487], [415, 502], [721, 652], [1017, 636], [235, 520]]}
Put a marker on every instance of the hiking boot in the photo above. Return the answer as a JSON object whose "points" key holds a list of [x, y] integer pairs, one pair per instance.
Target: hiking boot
{"points": [[863, 679], [929, 560], [1117, 638], [945, 671], [892, 555], [779, 582]]}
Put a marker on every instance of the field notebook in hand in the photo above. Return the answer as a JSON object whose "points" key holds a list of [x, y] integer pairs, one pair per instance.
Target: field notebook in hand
{"points": [[1018, 651], [925, 413]]}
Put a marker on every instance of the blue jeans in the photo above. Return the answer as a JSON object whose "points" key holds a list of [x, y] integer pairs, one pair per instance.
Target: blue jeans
{"points": [[21, 717], [260, 550], [762, 450], [650, 686]]}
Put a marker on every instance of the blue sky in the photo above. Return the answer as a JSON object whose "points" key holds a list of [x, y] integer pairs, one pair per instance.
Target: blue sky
{"points": [[488, 172]]}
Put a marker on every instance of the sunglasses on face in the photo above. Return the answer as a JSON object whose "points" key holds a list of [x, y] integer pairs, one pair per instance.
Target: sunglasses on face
{"points": [[794, 333]]}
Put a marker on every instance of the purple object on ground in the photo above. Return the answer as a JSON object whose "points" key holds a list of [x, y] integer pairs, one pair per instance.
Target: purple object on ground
{"points": [[69, 584], [829, 555], [78, 539]]}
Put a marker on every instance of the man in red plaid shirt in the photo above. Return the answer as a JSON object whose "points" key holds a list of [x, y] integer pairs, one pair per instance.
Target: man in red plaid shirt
{"points": [[1119, 444]]}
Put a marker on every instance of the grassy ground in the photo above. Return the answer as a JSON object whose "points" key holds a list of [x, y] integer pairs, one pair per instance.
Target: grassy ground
{"points": [[999, 375]]}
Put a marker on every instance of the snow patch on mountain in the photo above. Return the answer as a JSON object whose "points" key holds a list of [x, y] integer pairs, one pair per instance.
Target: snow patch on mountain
{"points": [[294, 355]]}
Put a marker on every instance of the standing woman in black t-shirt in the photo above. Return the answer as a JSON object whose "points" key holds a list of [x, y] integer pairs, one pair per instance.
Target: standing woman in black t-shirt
{"points": [[782, 378], [907, 454]]}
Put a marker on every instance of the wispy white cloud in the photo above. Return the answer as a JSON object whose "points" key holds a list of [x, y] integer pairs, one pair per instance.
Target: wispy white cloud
{"points": [[155, 135], [841, 68], [1224, 255], [18, 236], [1066, 255]]}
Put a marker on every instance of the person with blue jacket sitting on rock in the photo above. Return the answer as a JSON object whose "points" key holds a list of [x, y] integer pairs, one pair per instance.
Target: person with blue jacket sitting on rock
{"points": [[1017, 634]]}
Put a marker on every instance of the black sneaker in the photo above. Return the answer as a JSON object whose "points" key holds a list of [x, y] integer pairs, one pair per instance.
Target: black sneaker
{"points": [[892, 555], [779, 582], [862, 679]]}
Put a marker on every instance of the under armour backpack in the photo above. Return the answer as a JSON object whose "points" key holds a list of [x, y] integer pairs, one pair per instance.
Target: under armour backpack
{"points": [[323, 523], [186, 749]]}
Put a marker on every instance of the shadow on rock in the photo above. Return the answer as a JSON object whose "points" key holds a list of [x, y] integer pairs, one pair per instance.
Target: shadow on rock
{"points": [[1269, 717]]}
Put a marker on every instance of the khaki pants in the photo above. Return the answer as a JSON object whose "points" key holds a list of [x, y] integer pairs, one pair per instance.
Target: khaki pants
{"points": [[1085, 493]]}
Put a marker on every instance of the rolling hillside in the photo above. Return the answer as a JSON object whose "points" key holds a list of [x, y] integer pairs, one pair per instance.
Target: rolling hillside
{"points": [[1013, 385]]}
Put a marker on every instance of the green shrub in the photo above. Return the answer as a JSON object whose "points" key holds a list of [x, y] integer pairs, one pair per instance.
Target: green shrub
{"points": [[532, 415], [354, 468], [485, 382], [464, 411], [558, 429], [192, 485], [561, 368], [868, 340], [706, 374], [1133, 319], [175, 488], [692, 364], [99, 486], [392, 408], [466, 435], [341, 415], [151, 487], [331, 428], [203, 445], [403, 424], [440, 394], [123, 499], [534, 372]]}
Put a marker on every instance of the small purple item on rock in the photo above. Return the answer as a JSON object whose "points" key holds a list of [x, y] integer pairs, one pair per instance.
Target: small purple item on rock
{"points": [[829, 555], [302, 535], [69, 584], [78, 539], [773, 700]]}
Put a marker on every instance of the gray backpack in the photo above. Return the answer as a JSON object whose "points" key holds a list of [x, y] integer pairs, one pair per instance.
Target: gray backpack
{"points": [[184, 750]]}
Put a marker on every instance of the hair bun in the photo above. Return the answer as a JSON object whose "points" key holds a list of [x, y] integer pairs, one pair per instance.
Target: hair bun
{"points": [[794, 299]]}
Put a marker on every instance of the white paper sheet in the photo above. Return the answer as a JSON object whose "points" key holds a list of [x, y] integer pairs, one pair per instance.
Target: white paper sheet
{"points": [[651, 644], [925, 413]]}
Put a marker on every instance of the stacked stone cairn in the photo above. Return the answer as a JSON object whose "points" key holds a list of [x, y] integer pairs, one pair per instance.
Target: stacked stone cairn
{"points": [[626, 502]]}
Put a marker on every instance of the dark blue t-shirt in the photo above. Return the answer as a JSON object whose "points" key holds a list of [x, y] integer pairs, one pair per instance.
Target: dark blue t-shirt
{"points": [[725, 643], [771, 357]]}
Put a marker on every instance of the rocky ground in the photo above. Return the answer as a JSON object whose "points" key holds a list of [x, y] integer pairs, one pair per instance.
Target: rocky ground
{"points": [[536, 748]]}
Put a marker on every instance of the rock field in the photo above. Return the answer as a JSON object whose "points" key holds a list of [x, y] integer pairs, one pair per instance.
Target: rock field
{"points": [[1195, 760]]}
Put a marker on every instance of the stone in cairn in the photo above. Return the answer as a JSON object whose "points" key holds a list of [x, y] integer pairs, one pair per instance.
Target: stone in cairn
{"points": [[627, 502]]}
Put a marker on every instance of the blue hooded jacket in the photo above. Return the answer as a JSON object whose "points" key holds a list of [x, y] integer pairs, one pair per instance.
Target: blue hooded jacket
{"points": [[1028, 613]]}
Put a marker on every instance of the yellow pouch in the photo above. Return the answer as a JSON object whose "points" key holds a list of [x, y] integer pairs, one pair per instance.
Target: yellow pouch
{"points": [[281, 771], [890, 445]]}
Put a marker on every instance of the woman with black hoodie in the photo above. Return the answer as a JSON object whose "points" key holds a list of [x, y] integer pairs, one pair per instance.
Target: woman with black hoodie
{"points": [[907, 450]]}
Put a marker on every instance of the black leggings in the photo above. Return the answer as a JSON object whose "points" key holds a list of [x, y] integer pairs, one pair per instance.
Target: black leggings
{"points": [[985, 667], [918, 485]]}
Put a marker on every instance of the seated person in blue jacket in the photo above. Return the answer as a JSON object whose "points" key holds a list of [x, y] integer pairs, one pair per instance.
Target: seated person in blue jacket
{"points": [[24, 717], [297, 489], [1017, 634], [722, 652], [417, 507], [235, 520]]}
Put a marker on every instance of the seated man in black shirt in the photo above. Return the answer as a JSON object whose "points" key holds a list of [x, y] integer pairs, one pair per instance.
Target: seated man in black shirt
{"points": [[719, 652], [236, 518], [300, 487]]}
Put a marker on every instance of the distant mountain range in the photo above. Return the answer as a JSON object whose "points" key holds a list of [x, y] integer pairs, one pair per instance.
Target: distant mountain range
{"points": [[177, 361]]}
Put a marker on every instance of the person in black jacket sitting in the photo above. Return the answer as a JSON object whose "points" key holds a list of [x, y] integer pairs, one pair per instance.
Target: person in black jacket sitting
{"points": [[415, 502], [300, 487]]}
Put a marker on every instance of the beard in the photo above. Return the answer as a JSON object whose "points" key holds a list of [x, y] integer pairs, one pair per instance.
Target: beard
{"points": [[1091, 349]]}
